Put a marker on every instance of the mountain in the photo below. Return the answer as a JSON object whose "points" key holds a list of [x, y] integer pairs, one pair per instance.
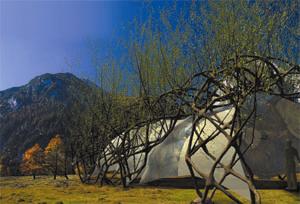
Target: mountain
{"points": [[33, 113]]}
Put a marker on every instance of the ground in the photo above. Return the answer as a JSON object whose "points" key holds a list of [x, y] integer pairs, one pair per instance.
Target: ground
{"points": [[46, 190]]}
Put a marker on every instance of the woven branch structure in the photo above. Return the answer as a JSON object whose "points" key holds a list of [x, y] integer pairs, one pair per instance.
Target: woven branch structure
{"points": [[235, 84]]}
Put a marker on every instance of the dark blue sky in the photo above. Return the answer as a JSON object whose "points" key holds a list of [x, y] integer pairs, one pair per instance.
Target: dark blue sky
{"points": [[39, 37]]}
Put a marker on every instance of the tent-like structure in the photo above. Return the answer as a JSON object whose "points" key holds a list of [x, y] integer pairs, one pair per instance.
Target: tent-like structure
{"points": [[168, 158], [278, 119]]}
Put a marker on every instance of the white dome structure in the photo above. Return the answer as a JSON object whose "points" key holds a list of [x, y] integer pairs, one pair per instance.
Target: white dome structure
{"points": [[278, 118]]}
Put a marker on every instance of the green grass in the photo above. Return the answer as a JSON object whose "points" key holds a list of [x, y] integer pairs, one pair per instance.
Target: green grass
{"points": [[46, 190]]}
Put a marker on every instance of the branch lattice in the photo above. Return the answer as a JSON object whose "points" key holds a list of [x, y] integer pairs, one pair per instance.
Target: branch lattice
{"points": [[233, 85]]}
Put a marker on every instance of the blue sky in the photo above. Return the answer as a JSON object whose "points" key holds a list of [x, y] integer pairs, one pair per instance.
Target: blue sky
{"points": [[39, 37]]}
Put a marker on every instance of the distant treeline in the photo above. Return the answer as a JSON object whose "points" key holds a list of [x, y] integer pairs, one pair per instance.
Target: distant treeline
{"points": [[54, 160]]}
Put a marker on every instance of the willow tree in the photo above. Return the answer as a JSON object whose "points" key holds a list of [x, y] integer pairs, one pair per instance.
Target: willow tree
{"points": [[192, 53], [258, 28], [219, 39]]}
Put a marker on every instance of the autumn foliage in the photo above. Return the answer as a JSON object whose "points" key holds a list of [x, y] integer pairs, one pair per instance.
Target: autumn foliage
{"points": [[32, 162], [55, 157], [54, 145], [51, 160]]}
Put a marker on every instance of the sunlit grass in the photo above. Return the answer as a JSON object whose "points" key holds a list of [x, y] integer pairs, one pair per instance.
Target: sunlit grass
{"points": [[46, 190]]}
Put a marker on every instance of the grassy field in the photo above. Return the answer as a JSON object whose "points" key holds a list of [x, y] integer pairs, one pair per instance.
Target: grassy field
{"points": [[46, 190]]}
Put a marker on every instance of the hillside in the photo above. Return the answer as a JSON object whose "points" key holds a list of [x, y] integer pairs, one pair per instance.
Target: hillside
{"points": [[33, 113]]}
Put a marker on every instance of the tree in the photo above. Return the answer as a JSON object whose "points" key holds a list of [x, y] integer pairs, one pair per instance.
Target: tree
{"points": [[55, 157], [32, 162], [4, 165], [223, 39], [213, 53]]}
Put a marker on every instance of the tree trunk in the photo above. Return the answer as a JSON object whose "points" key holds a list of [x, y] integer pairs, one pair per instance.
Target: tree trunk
{"points": [[55, 170], [79, 172], [66, 169]]}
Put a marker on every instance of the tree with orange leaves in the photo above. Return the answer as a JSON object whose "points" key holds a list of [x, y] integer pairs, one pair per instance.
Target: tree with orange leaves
{"points": [[55, 156], [32, 162]]}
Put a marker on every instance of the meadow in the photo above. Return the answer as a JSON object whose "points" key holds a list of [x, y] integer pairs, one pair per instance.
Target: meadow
{"points": [[45, 190]]}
